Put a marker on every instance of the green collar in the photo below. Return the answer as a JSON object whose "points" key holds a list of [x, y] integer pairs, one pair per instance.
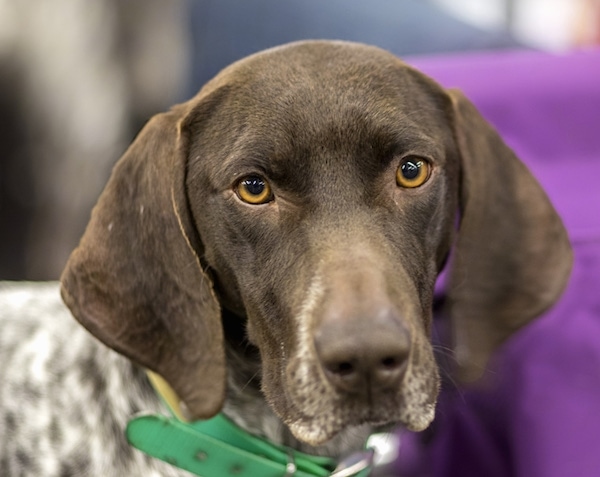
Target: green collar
{"points": [[218, 448]]}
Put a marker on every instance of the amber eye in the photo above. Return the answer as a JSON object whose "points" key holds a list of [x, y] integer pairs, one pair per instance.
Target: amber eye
{"points": [[412, 172], [254, 190]]}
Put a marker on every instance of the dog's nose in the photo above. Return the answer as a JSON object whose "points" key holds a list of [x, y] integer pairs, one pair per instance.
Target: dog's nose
{"points": [[363, 358]]}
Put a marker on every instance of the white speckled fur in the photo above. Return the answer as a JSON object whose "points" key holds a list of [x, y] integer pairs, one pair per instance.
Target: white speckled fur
{"points": [[64, 397]]}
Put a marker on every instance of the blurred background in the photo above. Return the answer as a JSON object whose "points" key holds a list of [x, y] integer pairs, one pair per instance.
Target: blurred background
{"points": [[78, 78]]}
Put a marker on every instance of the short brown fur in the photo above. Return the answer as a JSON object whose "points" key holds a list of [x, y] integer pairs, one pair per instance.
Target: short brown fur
{"points": [[175, 272]]}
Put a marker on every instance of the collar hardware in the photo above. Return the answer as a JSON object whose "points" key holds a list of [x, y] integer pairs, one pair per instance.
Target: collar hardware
{"points": [[290, 468], [359, 463], [218, 448]]}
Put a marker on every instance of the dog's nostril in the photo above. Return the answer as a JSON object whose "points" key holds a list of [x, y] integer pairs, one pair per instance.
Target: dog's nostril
{"points": [[390, 371], [344, 369], [390, 363], [344, 374]]}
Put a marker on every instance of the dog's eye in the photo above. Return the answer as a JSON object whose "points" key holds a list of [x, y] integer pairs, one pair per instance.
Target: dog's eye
{"points": [[254, 190], [412, 172]]}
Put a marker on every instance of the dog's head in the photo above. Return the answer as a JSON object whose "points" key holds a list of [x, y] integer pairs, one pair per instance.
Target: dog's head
{"points": [[315, 191]]}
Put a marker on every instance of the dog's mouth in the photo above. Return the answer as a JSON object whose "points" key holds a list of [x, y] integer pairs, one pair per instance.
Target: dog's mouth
{"points": [[341, 416], [319, 430]]}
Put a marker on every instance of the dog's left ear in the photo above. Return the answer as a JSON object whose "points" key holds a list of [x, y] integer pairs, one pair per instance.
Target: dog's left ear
{"points": [[512, 257], [136, 282]]}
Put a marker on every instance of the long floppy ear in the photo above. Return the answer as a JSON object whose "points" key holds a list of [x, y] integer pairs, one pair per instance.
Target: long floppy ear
{"points": [[512, 258], [136, 282]]}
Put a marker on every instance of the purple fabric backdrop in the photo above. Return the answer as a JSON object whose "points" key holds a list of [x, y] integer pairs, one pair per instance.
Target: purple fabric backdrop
{"points": [[540, 416]]}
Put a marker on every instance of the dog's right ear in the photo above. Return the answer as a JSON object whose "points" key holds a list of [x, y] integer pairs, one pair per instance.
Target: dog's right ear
{"points": [[135, 281]]}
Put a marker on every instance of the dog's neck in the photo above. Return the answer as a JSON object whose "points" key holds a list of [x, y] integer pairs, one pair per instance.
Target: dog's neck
{"points": [[246, 406]]}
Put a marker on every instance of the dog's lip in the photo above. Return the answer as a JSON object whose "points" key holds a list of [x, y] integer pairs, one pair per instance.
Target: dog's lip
{"points": [[314, 434], [386, 427], [381, 421]]}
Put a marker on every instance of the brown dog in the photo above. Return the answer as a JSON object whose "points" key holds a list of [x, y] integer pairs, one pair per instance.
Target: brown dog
{"points": [[286, 227]]}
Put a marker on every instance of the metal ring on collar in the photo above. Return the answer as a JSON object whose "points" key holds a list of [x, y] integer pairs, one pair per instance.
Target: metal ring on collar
{"points": [[354, 464], [290, 468]]}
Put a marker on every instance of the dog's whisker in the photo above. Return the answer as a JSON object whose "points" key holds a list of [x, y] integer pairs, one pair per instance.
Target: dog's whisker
{"points": [[251, 380], [444, 351]]}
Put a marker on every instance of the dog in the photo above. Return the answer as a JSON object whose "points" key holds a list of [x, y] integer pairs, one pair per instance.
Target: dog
{"points": [[270, 249]]}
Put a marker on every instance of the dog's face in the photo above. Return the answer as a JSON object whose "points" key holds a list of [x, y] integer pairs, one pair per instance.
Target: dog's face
{"points": [[322, 194], [312, 191]]}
